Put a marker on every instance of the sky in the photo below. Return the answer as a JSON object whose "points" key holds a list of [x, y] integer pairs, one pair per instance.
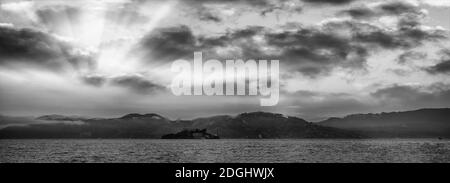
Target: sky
{"points": [[107, 58]]}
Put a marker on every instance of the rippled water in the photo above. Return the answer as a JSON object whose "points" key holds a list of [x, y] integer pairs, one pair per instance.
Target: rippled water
{"points": [[126, 150]]}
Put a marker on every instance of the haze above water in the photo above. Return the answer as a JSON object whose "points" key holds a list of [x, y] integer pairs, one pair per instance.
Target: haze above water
{"points": [[272, 151]]}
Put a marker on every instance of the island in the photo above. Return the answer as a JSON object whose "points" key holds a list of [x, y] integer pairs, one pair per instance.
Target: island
{"points": [[191, 134]]}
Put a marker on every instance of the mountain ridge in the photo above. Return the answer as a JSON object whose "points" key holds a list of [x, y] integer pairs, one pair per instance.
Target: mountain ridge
{"points": [[426, 122], [420, 123], [134, 125]]}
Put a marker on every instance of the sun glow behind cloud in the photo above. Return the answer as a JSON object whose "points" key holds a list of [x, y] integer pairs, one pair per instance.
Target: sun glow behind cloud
{"points": [[116, 59], [92, 29]]}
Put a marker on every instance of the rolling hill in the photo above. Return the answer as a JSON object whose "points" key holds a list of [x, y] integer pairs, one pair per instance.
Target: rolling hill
{"points": [[422, 123], [246, 125]]}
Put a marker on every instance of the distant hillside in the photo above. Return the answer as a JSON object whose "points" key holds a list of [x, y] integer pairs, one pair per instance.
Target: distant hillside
{"points": [[267, 125], [56, 117], [246, 125], [6, 121], [424, 123], [419, 123]]}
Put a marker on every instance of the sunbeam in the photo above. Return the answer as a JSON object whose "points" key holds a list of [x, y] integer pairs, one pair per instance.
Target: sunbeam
{"points": [[115, 58]]}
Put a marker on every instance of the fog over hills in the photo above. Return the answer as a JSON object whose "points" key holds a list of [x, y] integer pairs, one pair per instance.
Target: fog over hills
{"points": [[245, 125], [418, 123], [424, 123]]}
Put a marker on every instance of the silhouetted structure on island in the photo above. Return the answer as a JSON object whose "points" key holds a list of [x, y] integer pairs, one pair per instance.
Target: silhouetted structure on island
{"points": [[191, 134]]}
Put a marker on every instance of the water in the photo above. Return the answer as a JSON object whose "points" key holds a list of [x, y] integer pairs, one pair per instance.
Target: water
{"points": [[272, 151]]}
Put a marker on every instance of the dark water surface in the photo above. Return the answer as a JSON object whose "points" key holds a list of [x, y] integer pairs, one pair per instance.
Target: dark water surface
{"points": [[272, 151]]}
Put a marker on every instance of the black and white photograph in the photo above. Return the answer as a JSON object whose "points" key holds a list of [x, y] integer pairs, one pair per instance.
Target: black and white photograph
{"points": [[224, 81]]}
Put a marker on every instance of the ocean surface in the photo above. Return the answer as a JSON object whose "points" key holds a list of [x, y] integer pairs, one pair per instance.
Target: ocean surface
{"points": [[261, 151]]}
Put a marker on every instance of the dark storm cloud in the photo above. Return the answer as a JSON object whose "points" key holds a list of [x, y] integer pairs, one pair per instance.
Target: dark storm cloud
{"points": [[94, 80], [400, 72], [386, 8], [35, 48], [360, 12], [302, 48], [407, 37], [209, 16], [443, 67], [168, 44], [204, 13], [435, 95], [411, 56], [330, 2], [381, 38], [27, 44], [397, 91], [270, 10], [137, 84], [440, 68], [263, 7], [246, 2], [316, 51], [409, 33], [311, 51], [231, 37], [266, 3], [397, 8], [282, 7]]}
